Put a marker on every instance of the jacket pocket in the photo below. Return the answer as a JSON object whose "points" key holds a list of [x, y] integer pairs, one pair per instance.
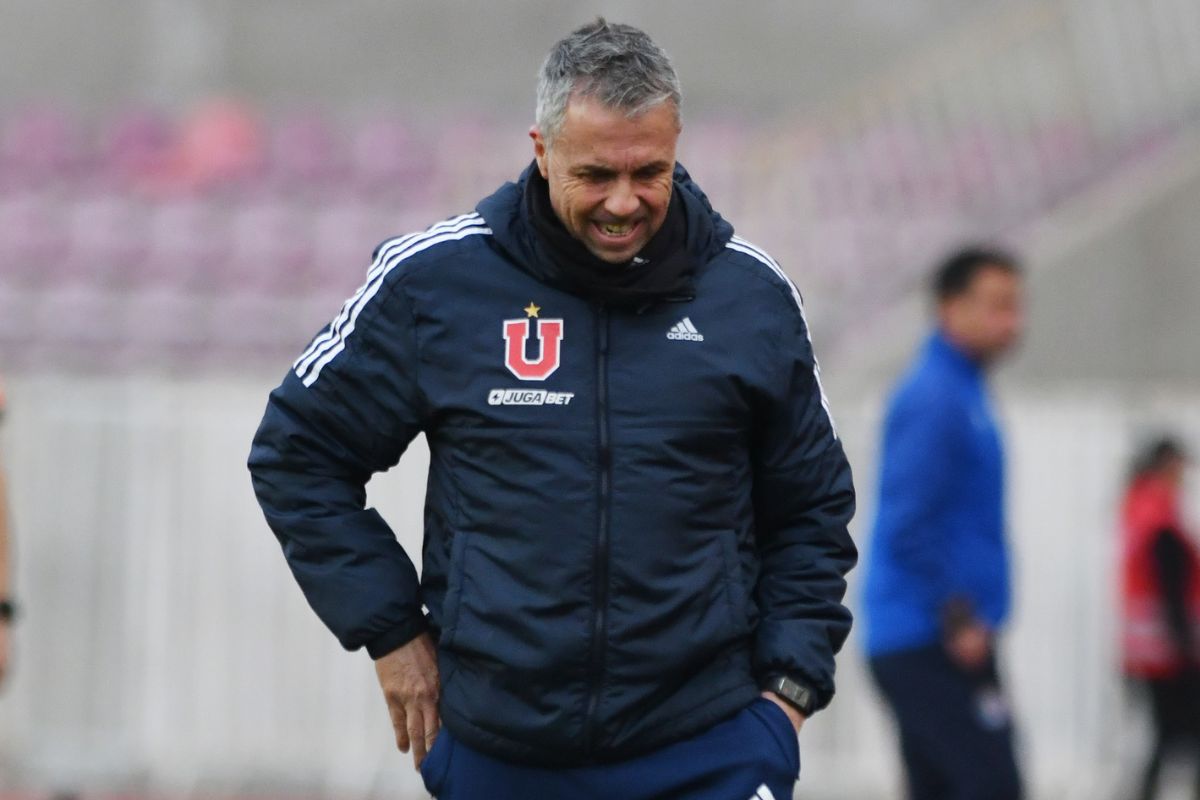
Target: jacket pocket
{"points": [[454, 587], [736, 593]]}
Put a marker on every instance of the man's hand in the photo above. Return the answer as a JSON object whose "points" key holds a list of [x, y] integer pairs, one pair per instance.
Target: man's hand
{"points": [[409, 678], [795, 716], [970, 645]]}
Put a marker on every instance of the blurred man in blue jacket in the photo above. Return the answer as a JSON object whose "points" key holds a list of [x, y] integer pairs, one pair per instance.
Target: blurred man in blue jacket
{"points": [[938, 582]]}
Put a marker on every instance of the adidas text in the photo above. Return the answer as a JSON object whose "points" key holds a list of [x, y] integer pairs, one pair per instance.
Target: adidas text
{"points": [[684, 330]]}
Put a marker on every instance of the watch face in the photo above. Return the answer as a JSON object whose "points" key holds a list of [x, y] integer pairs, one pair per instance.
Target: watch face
{"points": [[795, 694]]}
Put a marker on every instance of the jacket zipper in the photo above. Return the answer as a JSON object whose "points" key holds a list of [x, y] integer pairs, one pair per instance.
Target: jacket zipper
{"points": [[600, 563]]}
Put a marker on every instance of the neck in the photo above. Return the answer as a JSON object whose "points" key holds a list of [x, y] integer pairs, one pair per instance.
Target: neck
{"points": [[963, 347]]}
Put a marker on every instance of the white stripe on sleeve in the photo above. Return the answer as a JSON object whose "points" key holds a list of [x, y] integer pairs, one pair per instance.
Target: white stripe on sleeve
{"points": [[742, 246], [310, 369], [386, 251]]}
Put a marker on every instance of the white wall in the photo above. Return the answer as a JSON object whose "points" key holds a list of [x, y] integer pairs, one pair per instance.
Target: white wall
{"points": [[427, 55], [166, 647]]}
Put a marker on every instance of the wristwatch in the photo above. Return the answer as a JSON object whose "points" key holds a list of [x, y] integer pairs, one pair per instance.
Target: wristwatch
{"points": [[8, 610], [797, 695]]}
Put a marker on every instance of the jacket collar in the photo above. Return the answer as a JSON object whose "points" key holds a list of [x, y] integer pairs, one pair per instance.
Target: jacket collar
{"points": [[941, 348]]}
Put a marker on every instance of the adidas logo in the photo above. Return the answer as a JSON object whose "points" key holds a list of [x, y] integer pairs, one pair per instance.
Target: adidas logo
{"points": [[684, 329], [762, 793]]}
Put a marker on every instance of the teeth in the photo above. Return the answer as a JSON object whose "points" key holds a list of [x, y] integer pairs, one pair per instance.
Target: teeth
{"points": [[616, 230]]}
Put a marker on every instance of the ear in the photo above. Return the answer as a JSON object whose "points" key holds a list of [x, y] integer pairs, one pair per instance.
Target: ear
{"points": [[541, 150]]}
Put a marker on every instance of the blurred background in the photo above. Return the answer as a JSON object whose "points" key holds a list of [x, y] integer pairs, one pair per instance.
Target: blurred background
{"points": [[190, 188]]}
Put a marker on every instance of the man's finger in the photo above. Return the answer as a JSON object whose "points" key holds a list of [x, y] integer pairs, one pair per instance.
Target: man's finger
{"points": [[400, 725], [416, 733], [433, 726]]}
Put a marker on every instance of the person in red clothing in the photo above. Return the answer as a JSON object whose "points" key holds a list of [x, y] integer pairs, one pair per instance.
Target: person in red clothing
{"points": [[1161, 594]]}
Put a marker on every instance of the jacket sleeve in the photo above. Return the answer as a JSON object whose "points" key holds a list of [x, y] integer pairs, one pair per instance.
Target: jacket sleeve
{"points": [[348, 409], [803, 502], [923, 440]]}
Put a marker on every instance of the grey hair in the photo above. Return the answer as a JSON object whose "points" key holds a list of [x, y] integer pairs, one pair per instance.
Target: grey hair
{"points": [[619, 65]]}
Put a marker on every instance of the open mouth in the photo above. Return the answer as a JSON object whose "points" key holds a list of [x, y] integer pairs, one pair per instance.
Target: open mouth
{"points": [[616, 232]]}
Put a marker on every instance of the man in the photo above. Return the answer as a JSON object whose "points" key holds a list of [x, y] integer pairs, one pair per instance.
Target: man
{"points": [[937, 587], [635, 525]]}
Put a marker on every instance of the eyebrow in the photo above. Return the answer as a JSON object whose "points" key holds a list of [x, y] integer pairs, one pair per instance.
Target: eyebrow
{"points": [[654, 166], [601, 169]]}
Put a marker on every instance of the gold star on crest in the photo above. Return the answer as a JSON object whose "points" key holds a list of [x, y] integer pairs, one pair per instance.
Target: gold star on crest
{"points": [[532, 309]]}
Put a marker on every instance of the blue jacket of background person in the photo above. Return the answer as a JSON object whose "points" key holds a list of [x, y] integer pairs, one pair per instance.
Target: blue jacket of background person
{"points": [[939, 528], [620, 541]]}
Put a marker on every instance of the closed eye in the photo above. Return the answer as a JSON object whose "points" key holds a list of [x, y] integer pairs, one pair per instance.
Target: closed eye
{"points": [[651, 171], [596, 174]]}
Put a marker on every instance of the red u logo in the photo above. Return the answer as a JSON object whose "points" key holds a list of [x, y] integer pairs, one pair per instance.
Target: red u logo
{"points": [[550, 335]]}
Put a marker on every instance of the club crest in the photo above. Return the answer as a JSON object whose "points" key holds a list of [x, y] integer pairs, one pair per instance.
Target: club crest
{"points": [[516, 336]]}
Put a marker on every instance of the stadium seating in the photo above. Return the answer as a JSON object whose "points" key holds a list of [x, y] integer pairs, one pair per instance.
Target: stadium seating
{"points": [[223, 207]]}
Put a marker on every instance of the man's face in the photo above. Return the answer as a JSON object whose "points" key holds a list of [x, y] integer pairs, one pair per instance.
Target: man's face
{"points": [[610, 175], [989, 318]]}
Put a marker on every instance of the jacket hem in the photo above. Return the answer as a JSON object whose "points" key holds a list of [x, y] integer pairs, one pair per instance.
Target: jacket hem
{"points": [[725, 703]]}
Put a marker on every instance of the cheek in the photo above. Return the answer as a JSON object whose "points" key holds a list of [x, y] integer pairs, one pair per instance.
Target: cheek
{"points": [[665, 193], [1015, 324], [578, 200], [658, 199]]}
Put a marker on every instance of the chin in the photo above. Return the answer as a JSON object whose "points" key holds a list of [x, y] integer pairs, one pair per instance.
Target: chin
{"points": [[615, 258]]}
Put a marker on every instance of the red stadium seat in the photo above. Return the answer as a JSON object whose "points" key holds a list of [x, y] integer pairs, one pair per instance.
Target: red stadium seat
{"points": [[188, 246], [108, 242], [32, 242], [306, 155], [221, 145], [141, 151], [271, 249], [390, 160], [41, 147]]}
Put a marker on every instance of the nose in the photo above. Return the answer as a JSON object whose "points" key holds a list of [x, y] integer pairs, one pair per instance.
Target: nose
{"points": [[622, 201]]}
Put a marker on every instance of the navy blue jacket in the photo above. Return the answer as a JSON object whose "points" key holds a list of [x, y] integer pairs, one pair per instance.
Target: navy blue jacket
{"points": [[939, 529], [633, 516]]}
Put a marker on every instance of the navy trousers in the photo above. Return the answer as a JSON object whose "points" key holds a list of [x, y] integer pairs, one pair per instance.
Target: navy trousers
{"points": [[956, 733], [754, 755]]}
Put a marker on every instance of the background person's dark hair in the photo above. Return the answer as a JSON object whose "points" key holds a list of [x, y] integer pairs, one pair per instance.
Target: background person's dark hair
{"points": [[1156, 454], [956, 273]]}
